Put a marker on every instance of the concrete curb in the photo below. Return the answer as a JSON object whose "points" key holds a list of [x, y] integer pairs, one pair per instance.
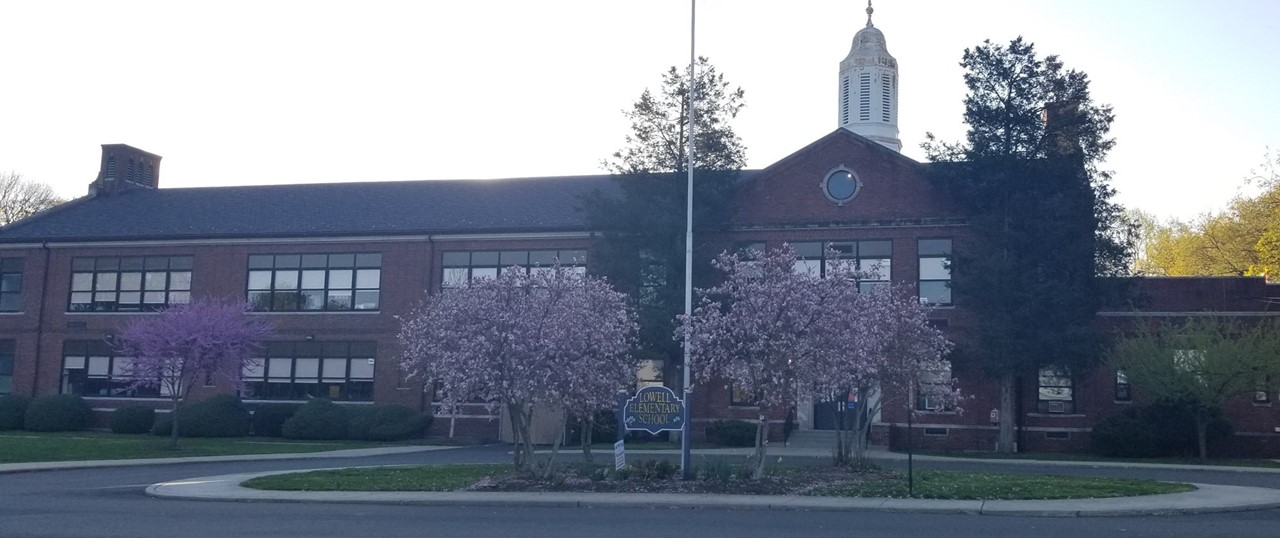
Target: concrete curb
{"points": [[1206, 499], [97, 464]]}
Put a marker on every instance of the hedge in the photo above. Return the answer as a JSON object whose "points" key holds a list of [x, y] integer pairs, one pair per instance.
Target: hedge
{"points": [[12, 409], [385, 423], [57, 413], [268, 419], [319, 419], [133, 419], [219, 416]]}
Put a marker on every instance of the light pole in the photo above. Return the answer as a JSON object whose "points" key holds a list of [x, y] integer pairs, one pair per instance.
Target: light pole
{"points": [[686, 469]]}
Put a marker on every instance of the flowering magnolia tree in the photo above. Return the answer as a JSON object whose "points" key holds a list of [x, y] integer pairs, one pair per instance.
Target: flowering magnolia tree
{"points": [[549, 338], [762, 329], [886, 351], [204, 340], [774, 331]]}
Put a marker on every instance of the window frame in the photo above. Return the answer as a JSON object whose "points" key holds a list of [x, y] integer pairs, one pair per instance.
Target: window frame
{"points": [[115, 386], [576, 261], [855, 252], [1066, 383], [946, 257], [258, 385], [1123, 388], [361, 265], [8, 361], [102, 266], [11, 299]]}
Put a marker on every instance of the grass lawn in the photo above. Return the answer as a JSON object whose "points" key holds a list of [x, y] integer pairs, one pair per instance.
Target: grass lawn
{"points": [[793, 481], [408, 478], [1054, 456], [999, 486], [22, 446]]}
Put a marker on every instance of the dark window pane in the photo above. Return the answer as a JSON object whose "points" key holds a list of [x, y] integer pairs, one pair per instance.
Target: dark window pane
{"points": [[457, 259], [260, 300], [573, 257], [313, 300], [288, 261], [315, 261], [811, 251], [935, 247], [875, 249], [107, 264], [372, 259], [484, 258], [342, 260], [338, 300], [261, 261], [82, 264], [366, 300], [182, 263], [132, 264], [11, 265], [514, 258], [11, 302], [543, 257], [11, 282]]}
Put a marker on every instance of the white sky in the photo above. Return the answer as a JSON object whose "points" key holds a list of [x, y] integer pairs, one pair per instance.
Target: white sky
{"points": [[256, 92]]}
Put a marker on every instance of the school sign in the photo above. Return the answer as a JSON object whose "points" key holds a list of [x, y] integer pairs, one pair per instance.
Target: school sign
{"points": [[653, 409]]}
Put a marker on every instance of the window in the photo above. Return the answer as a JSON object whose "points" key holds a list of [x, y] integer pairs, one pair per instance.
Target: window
{"points": [[935, 271], [1123, 390], [463, 267], [314, 282], [1260, 396], [740, 397], [873, 259], [841, 185], [305, 370], [91, 368], [930, 382], [649, 373], [10, 284], [6, 366], [129, 284], [1056, 391]]}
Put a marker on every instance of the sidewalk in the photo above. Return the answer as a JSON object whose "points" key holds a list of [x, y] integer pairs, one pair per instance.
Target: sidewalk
{"points": [[93, 464], [1206, 499]]}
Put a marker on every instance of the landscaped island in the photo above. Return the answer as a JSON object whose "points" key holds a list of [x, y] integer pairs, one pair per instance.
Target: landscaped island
{"points": [[662, 477]]}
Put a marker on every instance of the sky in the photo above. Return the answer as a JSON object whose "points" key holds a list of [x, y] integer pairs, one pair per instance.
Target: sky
{"points": [[263, 92]]}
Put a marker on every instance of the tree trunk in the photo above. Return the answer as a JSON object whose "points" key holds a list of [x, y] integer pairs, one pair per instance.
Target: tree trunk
{"points": [[517, 437], [555, 449], [173, 432], [588, 428], [762, 443], [1007, 442], [1202, 432]]}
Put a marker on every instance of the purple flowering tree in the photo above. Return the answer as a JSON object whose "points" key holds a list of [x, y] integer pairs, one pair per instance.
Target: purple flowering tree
{"points": [[551, 339], [183, 344], [764, 330]]}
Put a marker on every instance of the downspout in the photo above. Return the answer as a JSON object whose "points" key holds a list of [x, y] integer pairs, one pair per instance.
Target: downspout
{"points": [[44, 285], [423, 404]]}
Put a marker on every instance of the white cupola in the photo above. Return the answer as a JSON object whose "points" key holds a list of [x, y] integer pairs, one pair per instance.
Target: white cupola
{"points": [[869, 88]]}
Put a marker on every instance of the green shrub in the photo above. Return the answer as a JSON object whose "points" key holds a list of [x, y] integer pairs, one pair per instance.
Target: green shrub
{"points": [[268, 419], [12, 409], [223, 415], [1162, 428], [385, 423], [57, 413], [732, 433], [133, 419], [319, 419]]}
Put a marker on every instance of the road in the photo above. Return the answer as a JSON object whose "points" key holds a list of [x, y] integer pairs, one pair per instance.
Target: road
{"points": [[110, 503]]}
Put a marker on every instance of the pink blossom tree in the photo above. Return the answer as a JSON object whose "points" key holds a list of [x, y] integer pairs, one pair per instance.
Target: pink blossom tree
{"points": [[884, 349], [773, 331], [763, 329], [183, 344], [550, 338]]}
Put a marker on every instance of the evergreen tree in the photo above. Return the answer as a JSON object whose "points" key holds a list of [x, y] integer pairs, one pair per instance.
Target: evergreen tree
{"points": [[1045, 228], [642, 219]]}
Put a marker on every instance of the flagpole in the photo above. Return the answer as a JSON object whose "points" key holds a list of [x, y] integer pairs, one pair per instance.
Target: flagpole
{"points": [[686, 468]]}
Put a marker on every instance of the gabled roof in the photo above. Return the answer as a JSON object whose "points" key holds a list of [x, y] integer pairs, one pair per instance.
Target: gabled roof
{"points": [[546, 204], [839, 133]]}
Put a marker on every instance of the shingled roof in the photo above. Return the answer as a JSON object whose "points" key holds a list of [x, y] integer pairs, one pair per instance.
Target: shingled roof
{"points": [[543, 204]]}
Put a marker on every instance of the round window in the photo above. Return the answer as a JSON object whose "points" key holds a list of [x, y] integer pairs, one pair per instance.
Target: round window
{"points": [[840, 186]]}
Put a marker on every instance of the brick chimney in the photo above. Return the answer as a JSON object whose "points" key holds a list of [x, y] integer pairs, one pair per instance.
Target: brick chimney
{"points": [[125, 167]]}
